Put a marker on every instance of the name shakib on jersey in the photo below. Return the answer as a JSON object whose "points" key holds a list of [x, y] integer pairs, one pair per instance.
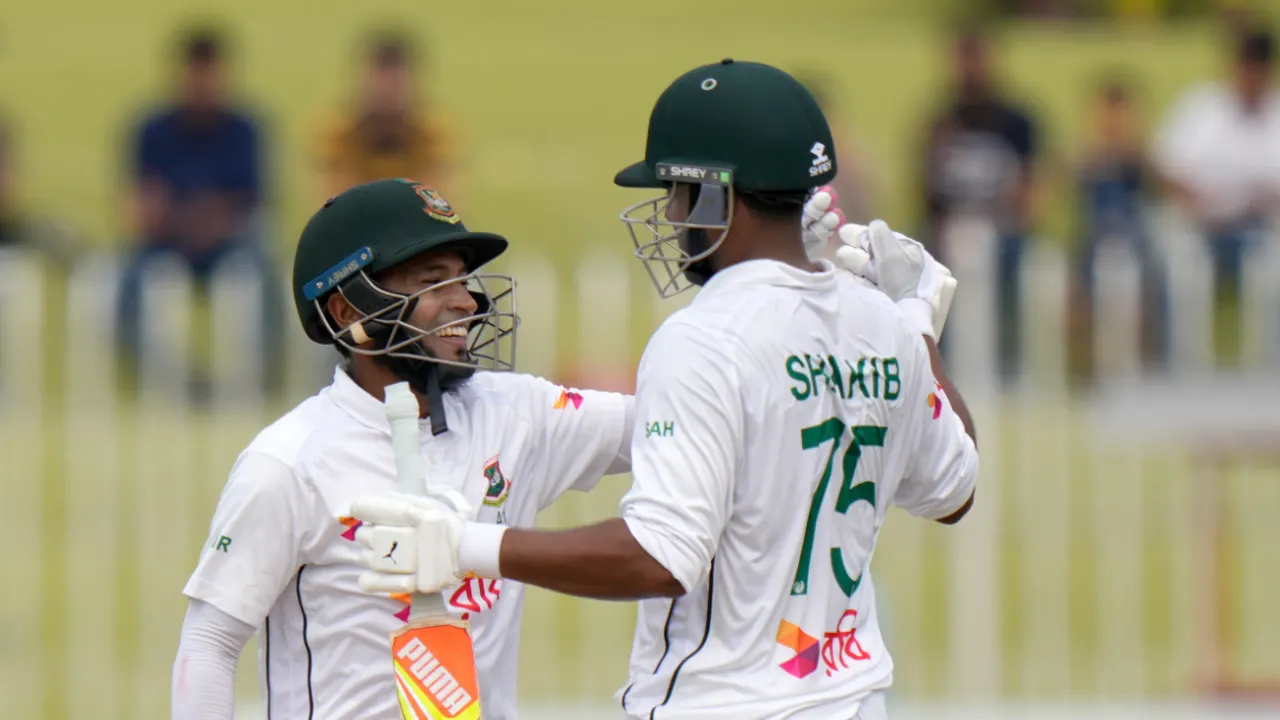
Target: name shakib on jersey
{"points": [[869, 377]]}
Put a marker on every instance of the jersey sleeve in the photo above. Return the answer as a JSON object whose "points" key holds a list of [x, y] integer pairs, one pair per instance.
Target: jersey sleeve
{"points": [[256, 539], [583, 435], [943, 465], [684, 450]]}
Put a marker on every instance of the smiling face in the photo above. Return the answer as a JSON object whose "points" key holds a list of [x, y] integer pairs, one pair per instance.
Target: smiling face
{"points": [[440, 305]]}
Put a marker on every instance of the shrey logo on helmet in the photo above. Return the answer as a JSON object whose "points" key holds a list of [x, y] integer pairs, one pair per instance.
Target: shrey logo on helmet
{"points": [[821, 162]]}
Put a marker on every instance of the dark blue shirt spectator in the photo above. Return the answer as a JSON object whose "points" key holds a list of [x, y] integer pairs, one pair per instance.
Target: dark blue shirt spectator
{"points": [[197, 180], [979, 159], [192, 156]]}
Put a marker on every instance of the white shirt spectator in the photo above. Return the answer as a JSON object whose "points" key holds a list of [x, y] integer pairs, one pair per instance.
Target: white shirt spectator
{"points": [[1229, 157]]}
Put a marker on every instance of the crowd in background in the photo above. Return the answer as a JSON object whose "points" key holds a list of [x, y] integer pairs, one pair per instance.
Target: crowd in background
{"points": [[200, 191]]}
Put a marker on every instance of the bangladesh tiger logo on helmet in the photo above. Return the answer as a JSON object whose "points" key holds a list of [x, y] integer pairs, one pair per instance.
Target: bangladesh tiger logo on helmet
{"points": [[437, 207]]}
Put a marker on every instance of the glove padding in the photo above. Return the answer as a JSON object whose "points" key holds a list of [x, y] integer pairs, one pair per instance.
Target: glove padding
{"points": [[410, 541], [819, 223], [820, 219], [902, 269]]}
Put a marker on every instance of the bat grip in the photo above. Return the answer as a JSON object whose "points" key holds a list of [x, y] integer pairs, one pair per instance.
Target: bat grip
{"points": [[402, 411]]}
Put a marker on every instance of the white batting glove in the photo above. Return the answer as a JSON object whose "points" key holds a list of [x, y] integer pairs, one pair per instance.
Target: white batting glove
{"points": [[820, 219], [900, 268], [411, 542]]}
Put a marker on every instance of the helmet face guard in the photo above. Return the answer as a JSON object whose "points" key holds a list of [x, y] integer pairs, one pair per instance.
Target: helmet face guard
{"points": [[676, 252], [490, 331]]}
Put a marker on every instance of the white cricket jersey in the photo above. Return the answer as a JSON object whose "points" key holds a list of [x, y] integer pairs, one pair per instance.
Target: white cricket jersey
{"points": [[778, 417], [281, 553]]}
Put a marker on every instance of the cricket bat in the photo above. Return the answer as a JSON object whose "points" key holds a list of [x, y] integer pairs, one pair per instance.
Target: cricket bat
{"points": [[434, 660]]}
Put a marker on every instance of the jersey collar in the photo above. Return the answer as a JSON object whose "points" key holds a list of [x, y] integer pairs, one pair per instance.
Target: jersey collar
{"points": [[770, 272], [353, 400]]}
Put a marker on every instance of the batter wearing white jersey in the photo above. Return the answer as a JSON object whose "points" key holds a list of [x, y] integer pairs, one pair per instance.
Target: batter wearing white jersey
{"points": [[374, 266], [777, 419]]}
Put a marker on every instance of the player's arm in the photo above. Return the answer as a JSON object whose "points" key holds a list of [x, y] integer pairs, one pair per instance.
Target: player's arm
{"points": [[257, 538], [582, 436], [684, 455], [957, 402], [939, 482], [602, 561], [204, 674]]}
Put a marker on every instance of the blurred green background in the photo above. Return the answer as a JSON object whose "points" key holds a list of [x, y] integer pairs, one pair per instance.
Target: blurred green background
{"points": [[550, 99]]}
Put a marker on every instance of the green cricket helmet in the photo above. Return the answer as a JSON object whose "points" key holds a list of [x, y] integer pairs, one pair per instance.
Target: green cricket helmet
{"points": [[731, 128], [372, 227]]}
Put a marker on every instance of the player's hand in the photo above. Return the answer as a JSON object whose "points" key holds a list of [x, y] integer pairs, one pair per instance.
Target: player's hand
{"points": [[819, 221], [902, 269], [411, 542]]}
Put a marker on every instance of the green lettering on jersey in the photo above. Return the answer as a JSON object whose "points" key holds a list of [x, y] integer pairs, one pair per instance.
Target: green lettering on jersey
{"points": [[872, 377], [892, 379], [859, 374], [816, 372], [795, 368], [223, 544], [835, 378], [659, 429]]}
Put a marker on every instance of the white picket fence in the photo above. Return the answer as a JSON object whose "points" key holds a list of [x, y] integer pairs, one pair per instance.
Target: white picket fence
{"points": [[1095, 564]]}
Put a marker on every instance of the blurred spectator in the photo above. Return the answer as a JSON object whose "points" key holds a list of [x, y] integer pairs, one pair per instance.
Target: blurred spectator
{"points": [[197, 183], [979, 157], [18, 228], [389, 131], [1114, 189], [852, 183], [1218, 154]]}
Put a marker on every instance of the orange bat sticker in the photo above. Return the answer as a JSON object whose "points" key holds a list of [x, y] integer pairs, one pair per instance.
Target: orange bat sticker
{"points": [[436, 671]]}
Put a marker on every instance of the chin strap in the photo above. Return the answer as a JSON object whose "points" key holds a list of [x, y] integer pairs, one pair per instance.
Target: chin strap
{"points": [[425, 377], [435, 403]]}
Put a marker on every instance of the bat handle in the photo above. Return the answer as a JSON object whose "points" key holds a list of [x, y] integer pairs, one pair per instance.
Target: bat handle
{"points": [[402, 411], [425, 605]]}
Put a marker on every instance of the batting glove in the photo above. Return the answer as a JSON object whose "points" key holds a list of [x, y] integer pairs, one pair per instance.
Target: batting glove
{"points": [[902, 269], [410, 541], [820, 219]]}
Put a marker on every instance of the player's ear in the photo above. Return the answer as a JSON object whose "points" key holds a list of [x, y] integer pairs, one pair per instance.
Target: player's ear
{"points": [[346, 316], [341, 310]]}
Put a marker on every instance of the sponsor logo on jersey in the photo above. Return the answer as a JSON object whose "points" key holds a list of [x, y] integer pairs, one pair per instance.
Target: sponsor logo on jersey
{"points": [[567, 398], [935, 401], [475, 595], [840, 647], [499, 485], [821, 161], [351, 524], [838, 650], [805, 647], [403, 613]]}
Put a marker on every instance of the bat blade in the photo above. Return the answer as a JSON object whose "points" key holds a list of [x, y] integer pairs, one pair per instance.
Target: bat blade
{"points": [[436, 670]]}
